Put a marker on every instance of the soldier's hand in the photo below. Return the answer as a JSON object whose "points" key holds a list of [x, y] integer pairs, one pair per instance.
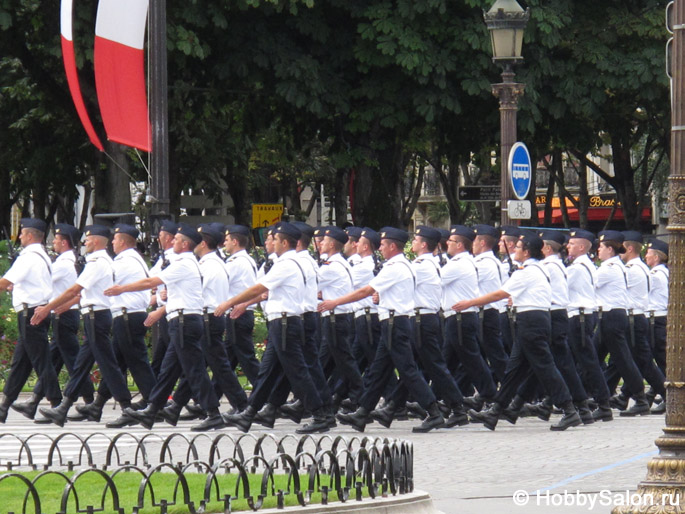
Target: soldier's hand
{"points": [[221, 309], [153, 317], [163, 294], [39, 314], [113, 291], [375, 298], [238, 311], [460, 306], [326, 305], [62, 309]]}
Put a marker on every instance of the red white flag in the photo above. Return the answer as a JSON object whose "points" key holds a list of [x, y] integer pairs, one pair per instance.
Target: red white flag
{"points": [[120, 71], [69, 58]]}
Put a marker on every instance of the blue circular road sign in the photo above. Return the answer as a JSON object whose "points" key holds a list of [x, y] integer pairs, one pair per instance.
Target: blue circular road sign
{"points": [[520, 170]]}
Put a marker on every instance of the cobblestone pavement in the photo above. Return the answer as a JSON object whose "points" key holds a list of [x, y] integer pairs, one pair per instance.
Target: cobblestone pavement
{"points": [[470, 470]]}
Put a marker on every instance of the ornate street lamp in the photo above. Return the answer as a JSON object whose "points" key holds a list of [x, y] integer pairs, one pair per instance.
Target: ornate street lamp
{"points": [[506, 20]]}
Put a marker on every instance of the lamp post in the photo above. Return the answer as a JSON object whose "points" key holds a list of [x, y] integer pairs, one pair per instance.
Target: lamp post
{"points": [[663, 490], [506, 20]]}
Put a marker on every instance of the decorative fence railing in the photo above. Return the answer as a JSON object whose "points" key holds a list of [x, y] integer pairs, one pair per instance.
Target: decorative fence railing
{"points": [[347, 467]]}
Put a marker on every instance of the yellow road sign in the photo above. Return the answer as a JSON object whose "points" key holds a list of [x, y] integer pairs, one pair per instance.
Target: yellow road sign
{"points": [[265, 214]]}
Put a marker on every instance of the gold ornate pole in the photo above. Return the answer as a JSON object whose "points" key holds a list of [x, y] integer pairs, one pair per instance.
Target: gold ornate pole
{"points": [[508, 93], [663, 491]]}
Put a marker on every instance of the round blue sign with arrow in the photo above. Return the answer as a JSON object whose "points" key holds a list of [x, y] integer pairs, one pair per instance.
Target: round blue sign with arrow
{"points": [[520, 170]]}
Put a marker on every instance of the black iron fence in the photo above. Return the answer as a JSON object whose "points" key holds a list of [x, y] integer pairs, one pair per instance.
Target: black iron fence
{"points": [[346, 468]]}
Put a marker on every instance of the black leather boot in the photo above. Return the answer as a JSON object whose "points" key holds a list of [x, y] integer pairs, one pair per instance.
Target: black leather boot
{"points": [[293, 411], [266, 416], [571, 418], [145, 417], [416, 411], [619, 401], [28, 409], [171, 413], [242, 421], [214, 421], [433, 420], [585, 413], [318, 425], [603, 411], [544, 409], [475, 402], [511, 413], [488, 417], [92, 411], [58, 415], [4, 409], [194, 412], [658, 408], [357, 419], [385, 414], [457, 417], [639, 408]]}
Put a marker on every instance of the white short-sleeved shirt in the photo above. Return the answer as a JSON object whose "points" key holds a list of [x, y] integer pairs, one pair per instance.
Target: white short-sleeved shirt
{"points": [[310, 267], [335, 280], [354, 259], [31, 278], [242, 273], [530, 287], [214, 281], [658, 290], [183, 281], [169, 256], [459, 282], [556, 270], [286, 284], [428, 284], [491, 276], [97, 275], [637, 275], [581, 285], [395, 285], [612, 285], [63, 274], [129, 267]]}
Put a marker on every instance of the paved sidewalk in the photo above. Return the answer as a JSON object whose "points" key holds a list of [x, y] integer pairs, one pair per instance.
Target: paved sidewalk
{"points": [[470, 470]]}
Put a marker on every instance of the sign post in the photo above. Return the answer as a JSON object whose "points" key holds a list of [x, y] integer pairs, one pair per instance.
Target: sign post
{"points": [[521, 176], [266, 214]]}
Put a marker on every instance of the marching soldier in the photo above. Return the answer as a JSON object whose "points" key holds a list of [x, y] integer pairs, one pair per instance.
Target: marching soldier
{"points": [[97, 275], [65, 343], [31, 282], [285, 284], [657, 259], [395, 284], [460, 282], [242, 274], [531, 293], [582, 313], [183, 309]]}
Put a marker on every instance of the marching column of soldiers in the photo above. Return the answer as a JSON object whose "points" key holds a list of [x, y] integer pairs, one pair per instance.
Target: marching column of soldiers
{"points": [[458, 335]]}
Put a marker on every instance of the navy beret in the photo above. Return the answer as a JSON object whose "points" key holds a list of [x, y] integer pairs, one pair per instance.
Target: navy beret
{"points": [[337, 233], [579, 233], [190, 232], [611, 235], [129, 230], [354, 232], [33, 223], [461, 230], [68, 231], [168, 226], [444, 234], [533, 241], [319, 231], [237, 229], [213, 230], [288, 229], [632, 235], [372, 236], [97, 230], [553, 235], [510, 230], [303, 227], [428, 232], [396, 234], [487, 230], [659, 245]]}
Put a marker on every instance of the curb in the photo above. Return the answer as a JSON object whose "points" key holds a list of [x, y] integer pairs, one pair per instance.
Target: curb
{"points": [[417, 502]]}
